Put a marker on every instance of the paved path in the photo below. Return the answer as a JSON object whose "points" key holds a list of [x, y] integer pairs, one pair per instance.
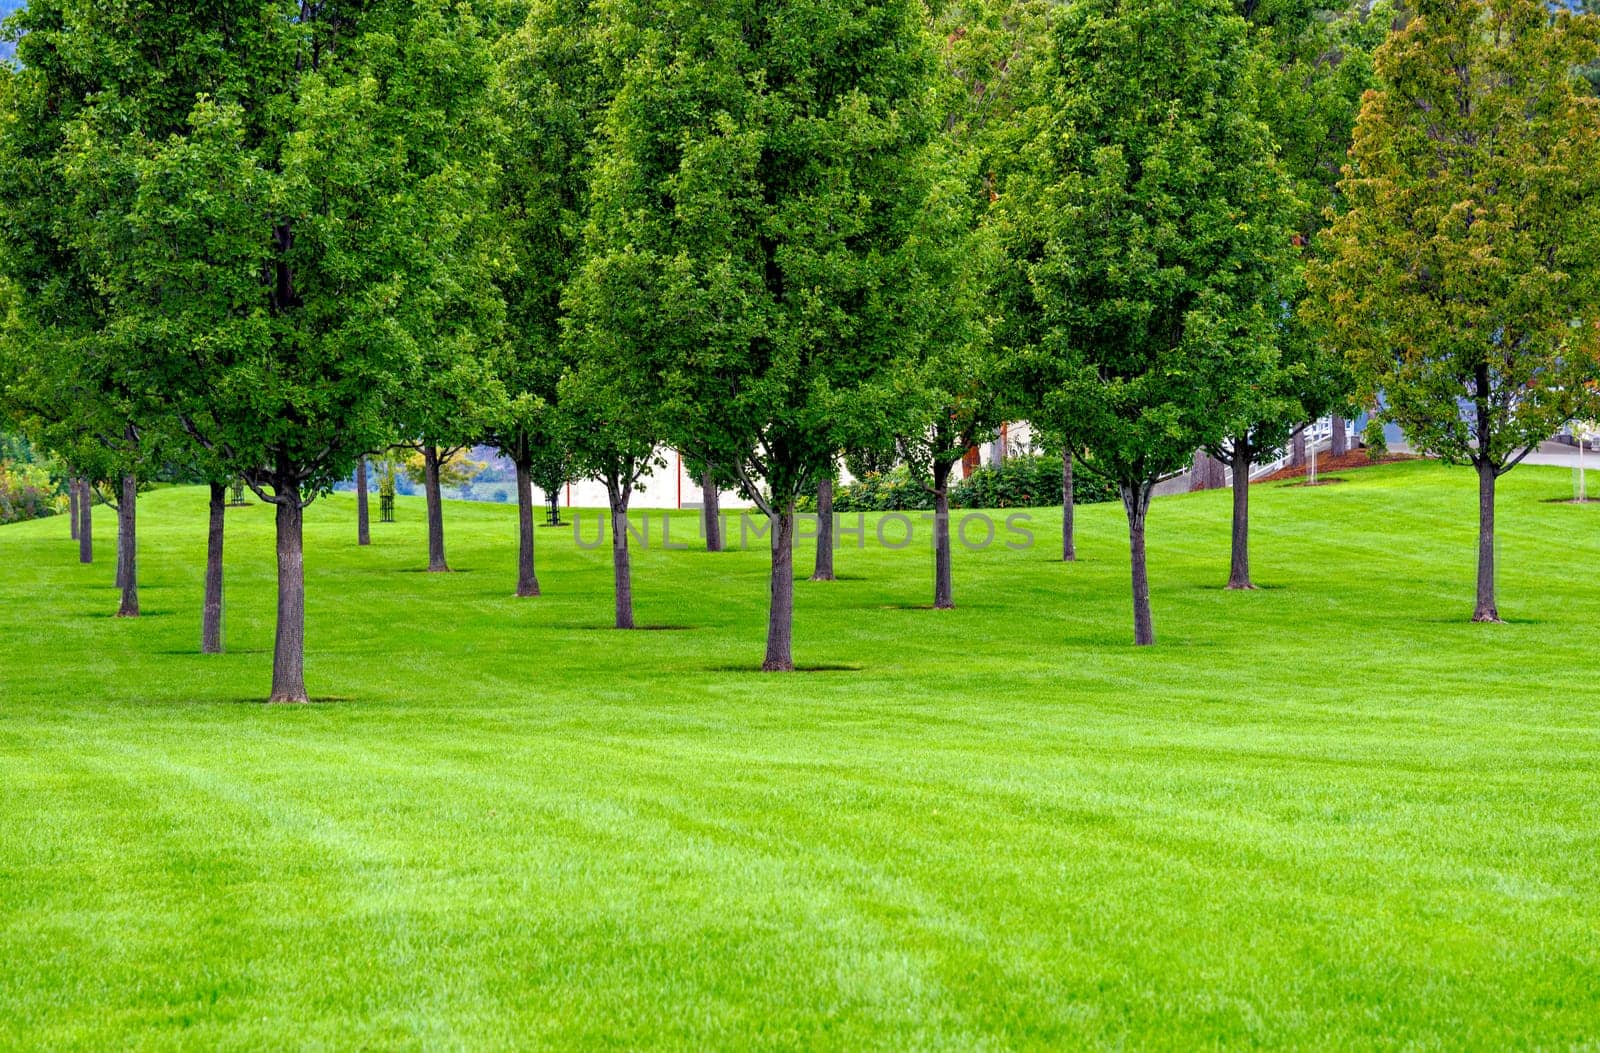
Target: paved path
{"points": [[1554, 454]]}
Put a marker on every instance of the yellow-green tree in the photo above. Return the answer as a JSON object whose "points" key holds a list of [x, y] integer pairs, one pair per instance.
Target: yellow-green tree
{"points": [[1463, 278]]}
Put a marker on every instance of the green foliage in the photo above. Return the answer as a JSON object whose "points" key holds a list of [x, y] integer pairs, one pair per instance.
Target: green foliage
{"points": [[757, 184], [1163, 228], [1029, 482], [1464, 278], [284, 232], [951, 382], [549, 91]]}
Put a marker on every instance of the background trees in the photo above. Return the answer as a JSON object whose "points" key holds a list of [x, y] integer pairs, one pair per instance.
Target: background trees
{"points": [[1163, 223], [1464, 278]]}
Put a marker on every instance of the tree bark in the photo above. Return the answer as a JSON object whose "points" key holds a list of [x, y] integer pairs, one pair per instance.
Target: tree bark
{"points": [[72, 505], [1297, 447], [430, 483], [942, 591], [128, 547], [289, 649], [527, 580], [824, 567], [363, 515], [1069, 540], [1486, 610], [1239, 568], [1339, 444], [211, 621], [621, 559], [1136, 500], [780, 612], [86, 522], [711, 513]]}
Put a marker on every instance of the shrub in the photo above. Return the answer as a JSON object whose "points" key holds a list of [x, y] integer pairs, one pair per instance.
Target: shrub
{"points": [[1019, 482], [26, 492], [1028, 482]]}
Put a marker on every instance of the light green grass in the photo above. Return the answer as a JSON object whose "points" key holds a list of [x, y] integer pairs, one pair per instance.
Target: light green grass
{"points": [[1329, 814]]}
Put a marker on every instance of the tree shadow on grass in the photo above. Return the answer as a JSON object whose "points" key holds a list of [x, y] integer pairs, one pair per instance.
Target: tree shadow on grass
{"points": [[1466, 622], [635, 629], [807, 667], [196, 652]]}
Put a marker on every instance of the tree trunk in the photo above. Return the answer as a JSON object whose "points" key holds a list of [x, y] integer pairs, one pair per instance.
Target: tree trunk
{"points": [[780, 612], [86, 522], [1339, 444], [72, 505], [711, 513], [1297, 448], [824, 568], [1486, 609], [1136, 500], [128, 547], [1069, 540], [289, 649], [527, 580], [363, 517], [430, 483], [1239, 569], [621, 561], [942, 597], [211, 621]]}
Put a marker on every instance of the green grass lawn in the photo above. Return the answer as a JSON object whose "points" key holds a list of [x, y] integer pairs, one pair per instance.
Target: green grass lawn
{"points": [[1328, 814]]}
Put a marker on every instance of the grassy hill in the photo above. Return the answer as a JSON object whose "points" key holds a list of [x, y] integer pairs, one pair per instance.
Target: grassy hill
{"points": [[1327, 814]]}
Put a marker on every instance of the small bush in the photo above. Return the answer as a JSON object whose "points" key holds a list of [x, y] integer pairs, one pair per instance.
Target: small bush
{"points": [[1019, 482], [1028, 482], [26, 492]]}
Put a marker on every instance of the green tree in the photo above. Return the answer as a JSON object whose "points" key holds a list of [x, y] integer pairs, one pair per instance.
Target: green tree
{"points": [[1318, 64], [1463, 279], [760, 176], [65, 374], [955, 389], [1163, 223], [611, 402], [276, 263], [550, 91]]}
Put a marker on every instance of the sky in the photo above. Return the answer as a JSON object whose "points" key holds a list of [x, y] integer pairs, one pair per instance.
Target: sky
{"points": [[6, 7]]}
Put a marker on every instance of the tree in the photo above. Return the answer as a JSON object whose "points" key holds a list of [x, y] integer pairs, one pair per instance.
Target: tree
{"points": [[758, 181], [549, 89], [1463, 278], [957, 394], [276, 261], [610, 400], [1319, 63], [65, 375], [1163, 220]]}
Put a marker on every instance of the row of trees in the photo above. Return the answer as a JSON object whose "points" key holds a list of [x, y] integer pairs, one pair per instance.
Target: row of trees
{"points": [[286, 236]]}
